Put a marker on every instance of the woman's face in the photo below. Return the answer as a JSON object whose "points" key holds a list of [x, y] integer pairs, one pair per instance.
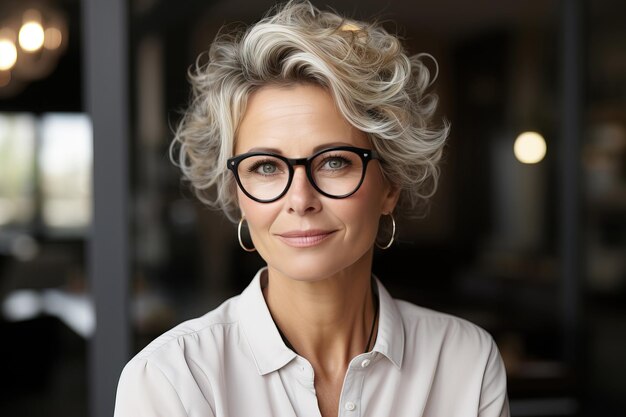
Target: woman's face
{"points": [[306, 235]]}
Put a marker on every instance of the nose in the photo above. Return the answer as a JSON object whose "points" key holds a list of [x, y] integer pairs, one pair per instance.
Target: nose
{"points": [[302, 198]]}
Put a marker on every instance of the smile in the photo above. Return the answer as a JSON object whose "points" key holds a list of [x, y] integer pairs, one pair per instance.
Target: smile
{"points": [[305, 239]]}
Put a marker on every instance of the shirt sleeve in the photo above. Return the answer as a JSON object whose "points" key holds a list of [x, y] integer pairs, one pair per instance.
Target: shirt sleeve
{"points": [[145, 391], [494, 400]]}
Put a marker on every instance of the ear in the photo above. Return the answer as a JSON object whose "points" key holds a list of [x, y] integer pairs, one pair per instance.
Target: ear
{"points": [[390, 199]]}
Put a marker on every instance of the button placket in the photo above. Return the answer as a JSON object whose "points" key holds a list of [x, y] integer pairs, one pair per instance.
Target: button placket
{"points": [[350, 406], [353, 386], [303, 373]]}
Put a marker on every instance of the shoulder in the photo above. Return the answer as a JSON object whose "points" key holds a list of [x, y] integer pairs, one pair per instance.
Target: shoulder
{"points": [[449, 349], [163, 378], [445, 329], [171, 370], [210, 329]]}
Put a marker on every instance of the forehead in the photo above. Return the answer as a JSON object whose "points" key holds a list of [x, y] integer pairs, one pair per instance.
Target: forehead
{"points": [[294, 120]]}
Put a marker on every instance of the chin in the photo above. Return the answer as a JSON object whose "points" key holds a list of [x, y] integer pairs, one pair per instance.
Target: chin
{"points": [[315, 268], [305, 271]]}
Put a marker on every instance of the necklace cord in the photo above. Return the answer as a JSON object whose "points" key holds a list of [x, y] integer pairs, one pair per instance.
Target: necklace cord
{"points": [[369, 340]]}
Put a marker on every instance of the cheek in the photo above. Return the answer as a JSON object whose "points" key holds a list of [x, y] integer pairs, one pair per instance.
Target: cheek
{"points": [[258, 215], [370, 202], [362, 213], [371, 196], [245, 206], [364, 221]]}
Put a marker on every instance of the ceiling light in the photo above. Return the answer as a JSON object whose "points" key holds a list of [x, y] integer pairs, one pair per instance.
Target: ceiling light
{"points": [[529, 147], [31, 36], [8, 54]]}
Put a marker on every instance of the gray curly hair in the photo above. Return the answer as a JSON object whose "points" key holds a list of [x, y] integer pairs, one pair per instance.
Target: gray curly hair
{"points": [[378, 88]]}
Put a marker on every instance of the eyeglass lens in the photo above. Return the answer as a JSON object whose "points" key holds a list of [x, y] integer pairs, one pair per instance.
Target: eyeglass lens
{"points": [[335, 172]]}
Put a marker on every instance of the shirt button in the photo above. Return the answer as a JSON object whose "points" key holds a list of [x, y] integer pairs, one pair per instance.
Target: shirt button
{"points": [[365, 363], [350, 406]]}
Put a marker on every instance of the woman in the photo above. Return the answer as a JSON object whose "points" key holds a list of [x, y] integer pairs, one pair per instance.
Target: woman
{"points": [[314, 130]]}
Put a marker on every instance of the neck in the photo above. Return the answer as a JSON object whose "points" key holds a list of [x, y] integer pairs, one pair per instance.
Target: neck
{"points": [[328, 321]]}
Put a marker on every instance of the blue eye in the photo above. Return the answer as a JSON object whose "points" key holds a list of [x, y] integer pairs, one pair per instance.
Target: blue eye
{"points": [[335, 162], [267, 167]]}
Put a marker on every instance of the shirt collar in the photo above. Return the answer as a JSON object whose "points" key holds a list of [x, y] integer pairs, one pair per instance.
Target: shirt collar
{"points": [[268, 349], [270, 352], [390, 337]]}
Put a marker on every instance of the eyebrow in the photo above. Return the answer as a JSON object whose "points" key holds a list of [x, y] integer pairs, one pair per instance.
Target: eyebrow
{"points": [[315, 149]]}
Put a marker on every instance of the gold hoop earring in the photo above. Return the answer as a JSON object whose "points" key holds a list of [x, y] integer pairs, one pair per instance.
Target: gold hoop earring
{"points": [[393, 233], [239, 237]]}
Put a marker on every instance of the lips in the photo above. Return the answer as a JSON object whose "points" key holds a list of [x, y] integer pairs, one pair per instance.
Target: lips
{"points": [[305, 238]]}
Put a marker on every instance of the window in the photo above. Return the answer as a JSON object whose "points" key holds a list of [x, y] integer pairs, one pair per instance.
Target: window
{"points": [[45, 172]]}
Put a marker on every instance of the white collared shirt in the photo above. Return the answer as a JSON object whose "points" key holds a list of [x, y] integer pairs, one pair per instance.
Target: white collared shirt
{"points": [[232, 362]]}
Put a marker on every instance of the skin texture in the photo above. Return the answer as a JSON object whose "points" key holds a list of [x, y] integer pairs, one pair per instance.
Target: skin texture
{"points": [[318, 287]]}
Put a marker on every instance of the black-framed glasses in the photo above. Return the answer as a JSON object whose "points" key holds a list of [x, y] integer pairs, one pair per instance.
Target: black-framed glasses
{"points": [[334, 172]]}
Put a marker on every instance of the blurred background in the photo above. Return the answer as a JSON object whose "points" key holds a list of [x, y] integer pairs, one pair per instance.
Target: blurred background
{"points": [[102, 248]]}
